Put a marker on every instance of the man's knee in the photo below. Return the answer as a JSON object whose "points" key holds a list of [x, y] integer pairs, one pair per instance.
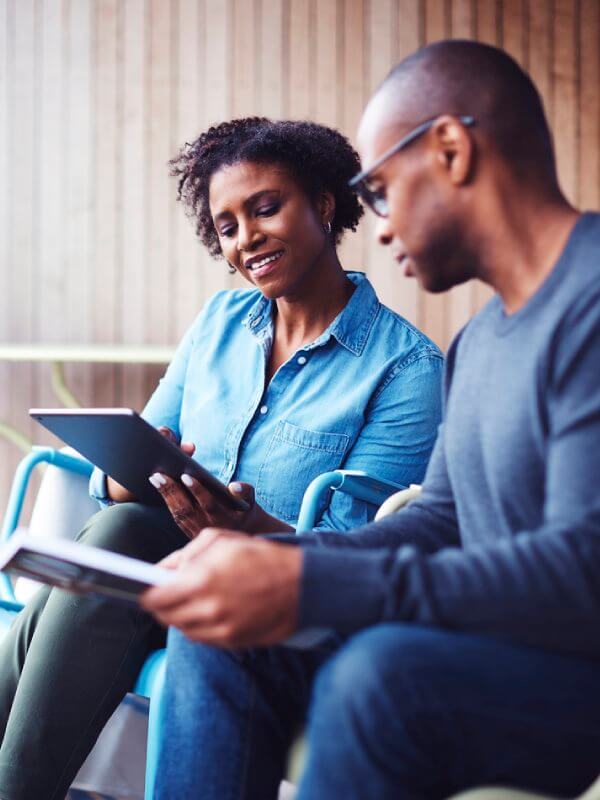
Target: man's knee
{"points": [[390, 666]]}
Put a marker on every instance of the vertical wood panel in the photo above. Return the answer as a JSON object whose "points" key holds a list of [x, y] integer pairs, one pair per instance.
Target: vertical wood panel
{"points": [[513, 30], [217, 68], [7, 454], [134, 188], [539, 59], [566, 89], [245, 74], [187, 266], [270, 59], [326, 79], [77, 140], [50, 230], [589, 108], [107, 209], [300, 62], [24, 158]]}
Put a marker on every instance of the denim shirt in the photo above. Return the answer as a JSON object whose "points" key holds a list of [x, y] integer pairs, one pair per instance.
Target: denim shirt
{"points": [[365, 395]]}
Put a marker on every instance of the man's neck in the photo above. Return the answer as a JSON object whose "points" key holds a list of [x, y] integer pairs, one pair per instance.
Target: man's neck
{"points": [[523, 247]]}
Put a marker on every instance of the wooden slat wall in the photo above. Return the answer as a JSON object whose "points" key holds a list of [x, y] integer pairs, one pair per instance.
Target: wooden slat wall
{"points": [[96, 95]]}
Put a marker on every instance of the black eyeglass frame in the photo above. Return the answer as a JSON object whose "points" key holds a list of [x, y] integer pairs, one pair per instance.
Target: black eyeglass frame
{"points": [[358, 182]]}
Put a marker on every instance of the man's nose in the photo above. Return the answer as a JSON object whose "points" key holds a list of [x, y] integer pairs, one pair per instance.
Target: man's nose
{"points": [[383, 231]]}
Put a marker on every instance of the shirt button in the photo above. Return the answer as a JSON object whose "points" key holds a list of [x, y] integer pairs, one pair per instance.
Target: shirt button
{"points": [[302, 360], [264, 409]]}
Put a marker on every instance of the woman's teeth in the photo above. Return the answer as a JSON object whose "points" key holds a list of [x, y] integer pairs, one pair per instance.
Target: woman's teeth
{"points": [[265, 261]]}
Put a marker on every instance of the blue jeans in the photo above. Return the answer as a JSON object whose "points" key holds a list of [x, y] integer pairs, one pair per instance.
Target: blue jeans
{"points": [[396, 712]]}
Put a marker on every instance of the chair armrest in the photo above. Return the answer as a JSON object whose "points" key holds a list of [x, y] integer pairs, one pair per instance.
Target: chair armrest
{"points": [[353, 482]]}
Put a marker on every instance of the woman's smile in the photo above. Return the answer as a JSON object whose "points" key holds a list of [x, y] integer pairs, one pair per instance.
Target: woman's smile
{"points": [[262, 265]]}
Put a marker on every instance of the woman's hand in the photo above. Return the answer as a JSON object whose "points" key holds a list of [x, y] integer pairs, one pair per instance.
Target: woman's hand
{"points": [[194, 507], [119, 493]]}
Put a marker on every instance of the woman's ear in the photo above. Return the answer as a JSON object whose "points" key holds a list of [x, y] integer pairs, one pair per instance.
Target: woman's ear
{"points": [[326, 207]]}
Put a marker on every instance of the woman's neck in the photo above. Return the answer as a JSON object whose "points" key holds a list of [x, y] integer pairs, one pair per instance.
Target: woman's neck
{"points": [[302, 318]]}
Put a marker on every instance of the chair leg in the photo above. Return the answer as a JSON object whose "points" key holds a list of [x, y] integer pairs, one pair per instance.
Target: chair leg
{"points": [[150, 684]]}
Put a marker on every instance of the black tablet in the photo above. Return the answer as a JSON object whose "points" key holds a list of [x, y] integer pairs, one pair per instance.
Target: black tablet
{"points": [[129, 449]]}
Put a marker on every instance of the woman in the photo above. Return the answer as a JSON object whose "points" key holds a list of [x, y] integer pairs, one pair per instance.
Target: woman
{"points": [[304, 373]]}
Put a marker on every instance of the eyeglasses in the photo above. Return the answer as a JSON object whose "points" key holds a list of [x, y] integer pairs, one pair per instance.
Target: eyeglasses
{"points": [[375, 199]]}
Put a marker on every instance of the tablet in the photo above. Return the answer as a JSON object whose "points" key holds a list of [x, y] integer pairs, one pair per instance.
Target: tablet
{"points": [[129, 449]]}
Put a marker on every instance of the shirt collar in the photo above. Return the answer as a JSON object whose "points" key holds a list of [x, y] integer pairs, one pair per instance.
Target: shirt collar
{"points": [[351, 327]]}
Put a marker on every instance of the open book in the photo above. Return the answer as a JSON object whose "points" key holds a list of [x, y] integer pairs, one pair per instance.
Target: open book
{"points": [[79, 567]]}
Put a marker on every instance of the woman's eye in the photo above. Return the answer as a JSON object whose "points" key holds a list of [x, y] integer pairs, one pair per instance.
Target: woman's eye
{"points": [[267, 211], [227, 232]]}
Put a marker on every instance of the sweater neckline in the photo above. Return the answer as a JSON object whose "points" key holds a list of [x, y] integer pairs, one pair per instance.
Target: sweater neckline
{"points": [[507, 322]]}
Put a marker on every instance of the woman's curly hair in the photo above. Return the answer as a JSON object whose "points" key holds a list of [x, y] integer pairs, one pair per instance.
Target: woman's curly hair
{"points": [[319, 158]]}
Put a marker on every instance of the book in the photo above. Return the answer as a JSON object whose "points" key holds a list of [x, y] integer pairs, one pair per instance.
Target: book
{"points": [[80, 568]]}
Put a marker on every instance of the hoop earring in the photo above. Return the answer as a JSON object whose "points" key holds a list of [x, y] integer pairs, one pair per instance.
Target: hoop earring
{"points": [[327, 226]]}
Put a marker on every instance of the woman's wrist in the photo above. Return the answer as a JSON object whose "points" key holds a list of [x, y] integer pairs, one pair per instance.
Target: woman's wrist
{"points": [[262, 522]]}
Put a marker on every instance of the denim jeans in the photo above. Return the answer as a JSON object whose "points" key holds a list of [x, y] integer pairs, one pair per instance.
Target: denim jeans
{"points": [[397, 711]]}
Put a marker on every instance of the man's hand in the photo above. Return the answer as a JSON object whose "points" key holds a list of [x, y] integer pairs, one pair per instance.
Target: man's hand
{"points": [[230, 591]]}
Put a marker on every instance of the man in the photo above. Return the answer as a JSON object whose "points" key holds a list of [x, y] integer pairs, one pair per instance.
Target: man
{"points": [[471, 619]]}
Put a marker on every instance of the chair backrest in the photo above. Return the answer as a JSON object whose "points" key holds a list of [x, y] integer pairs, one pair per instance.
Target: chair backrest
{"points": [[62, 506], [398, 501]]}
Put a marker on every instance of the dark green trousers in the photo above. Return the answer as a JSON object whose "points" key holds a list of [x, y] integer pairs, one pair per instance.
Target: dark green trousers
{"points": [[68, 661]]}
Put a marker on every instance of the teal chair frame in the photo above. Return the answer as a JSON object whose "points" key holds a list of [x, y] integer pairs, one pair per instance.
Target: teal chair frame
{"points": [[152, 675], [352, 482]]}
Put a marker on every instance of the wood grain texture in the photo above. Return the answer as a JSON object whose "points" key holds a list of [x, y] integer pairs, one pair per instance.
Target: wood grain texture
{"points": [[97, 95]]}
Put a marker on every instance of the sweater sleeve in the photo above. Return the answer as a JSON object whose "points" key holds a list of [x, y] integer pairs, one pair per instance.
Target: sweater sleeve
{"points": [[540, 587]]}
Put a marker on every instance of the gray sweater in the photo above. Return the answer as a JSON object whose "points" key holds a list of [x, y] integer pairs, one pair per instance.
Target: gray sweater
{"points": [[505, 539]]}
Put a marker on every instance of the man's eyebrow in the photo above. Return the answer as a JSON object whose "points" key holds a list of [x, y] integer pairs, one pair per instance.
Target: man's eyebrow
{"points": [[249, 201]]}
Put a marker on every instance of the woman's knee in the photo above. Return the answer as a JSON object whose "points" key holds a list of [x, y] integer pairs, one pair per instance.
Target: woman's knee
{"points": [[132, 529]]}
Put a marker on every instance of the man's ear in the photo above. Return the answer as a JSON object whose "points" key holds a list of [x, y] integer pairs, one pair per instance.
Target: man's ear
{"points": [[454, 148], [326, 207]]}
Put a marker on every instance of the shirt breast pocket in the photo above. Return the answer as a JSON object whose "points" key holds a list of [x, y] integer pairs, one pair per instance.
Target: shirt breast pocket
{"points": [[294, 457]]}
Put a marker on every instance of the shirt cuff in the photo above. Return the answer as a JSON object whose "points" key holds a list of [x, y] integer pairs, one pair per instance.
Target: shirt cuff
{"points": [[343, 589], [98, 488]]}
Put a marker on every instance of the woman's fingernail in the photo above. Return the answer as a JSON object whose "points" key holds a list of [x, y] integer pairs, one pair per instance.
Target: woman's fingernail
{"points": [[236, 487], [187, 481], [155, 480]]}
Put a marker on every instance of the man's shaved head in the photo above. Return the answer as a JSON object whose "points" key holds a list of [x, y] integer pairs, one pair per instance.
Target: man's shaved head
{"points": [[467, 78]]}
